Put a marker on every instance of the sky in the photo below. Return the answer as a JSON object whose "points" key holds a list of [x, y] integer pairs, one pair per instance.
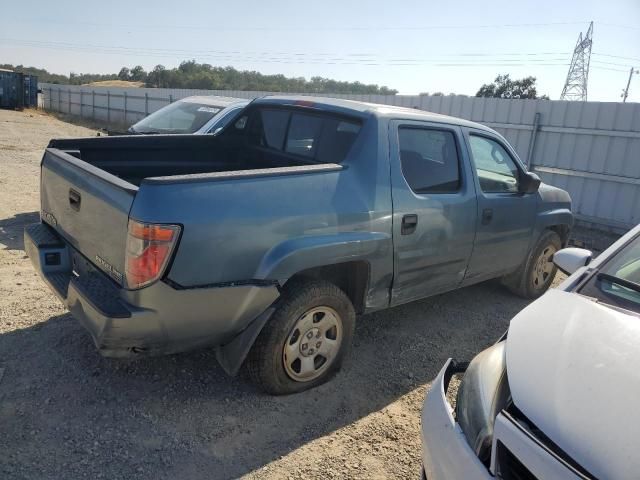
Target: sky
{"points": [[411, 46]]}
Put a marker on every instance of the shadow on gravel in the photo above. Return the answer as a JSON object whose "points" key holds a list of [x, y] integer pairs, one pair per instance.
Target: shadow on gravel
{"points": [[11, 229], [67, 412]]}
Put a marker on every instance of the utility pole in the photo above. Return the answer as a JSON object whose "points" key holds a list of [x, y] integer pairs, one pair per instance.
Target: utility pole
{"points": [[625, 92], [575, 87]]}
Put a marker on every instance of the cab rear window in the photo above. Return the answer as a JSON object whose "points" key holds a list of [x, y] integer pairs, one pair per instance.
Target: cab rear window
{"points": [[324, 138]]}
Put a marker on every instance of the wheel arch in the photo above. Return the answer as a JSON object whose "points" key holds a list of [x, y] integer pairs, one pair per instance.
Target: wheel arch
{"points": [[351, 277], [558, 220], [563, 231], [349, 260]]}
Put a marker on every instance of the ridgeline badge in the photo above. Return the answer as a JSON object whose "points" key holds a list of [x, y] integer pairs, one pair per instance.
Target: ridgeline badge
{"points": [[108, 268]]}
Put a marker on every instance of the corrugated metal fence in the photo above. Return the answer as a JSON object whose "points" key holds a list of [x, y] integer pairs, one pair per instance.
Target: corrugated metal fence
{"points": [[591, 149]]}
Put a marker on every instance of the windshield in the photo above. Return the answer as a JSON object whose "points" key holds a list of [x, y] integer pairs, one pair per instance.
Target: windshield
{"points": [[179, 117], [618, 280]]}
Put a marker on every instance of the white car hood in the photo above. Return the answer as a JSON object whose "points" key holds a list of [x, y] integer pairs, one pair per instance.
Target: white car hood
{"points": [[574, 370]]}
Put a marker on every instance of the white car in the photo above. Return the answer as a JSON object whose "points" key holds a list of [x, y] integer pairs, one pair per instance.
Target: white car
{"points": [[197, 115], [556, 397]]}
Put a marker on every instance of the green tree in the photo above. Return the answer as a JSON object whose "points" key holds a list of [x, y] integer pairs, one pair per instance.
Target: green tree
{"points": [[124, 74], [504, 87], [156, 77], [138, 74]]}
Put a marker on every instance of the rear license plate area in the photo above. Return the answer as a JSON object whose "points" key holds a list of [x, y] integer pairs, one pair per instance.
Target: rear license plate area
{"points": [[80, 266]]}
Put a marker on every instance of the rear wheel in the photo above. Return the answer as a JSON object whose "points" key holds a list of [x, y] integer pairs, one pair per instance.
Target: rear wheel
{"points": [[535, 276], [306, 339]]}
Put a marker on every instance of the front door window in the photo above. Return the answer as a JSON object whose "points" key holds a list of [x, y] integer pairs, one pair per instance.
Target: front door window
{"points": [[497, 171]]}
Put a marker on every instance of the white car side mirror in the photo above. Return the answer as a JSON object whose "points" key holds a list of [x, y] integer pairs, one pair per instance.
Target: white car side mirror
{"points": [[571, 259]]}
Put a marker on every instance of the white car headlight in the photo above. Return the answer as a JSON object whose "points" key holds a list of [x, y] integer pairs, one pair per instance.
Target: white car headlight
{"points": [[483, 392]]}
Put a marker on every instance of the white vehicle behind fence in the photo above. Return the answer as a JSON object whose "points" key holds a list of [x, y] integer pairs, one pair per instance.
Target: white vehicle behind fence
{"points": [[555, 397]]}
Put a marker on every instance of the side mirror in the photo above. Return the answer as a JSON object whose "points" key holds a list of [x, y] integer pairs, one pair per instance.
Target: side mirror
{"points": [[529, 183], [571, 259]]}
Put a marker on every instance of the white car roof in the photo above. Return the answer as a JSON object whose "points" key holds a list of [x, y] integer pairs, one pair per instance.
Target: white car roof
{"points": [[214, 100]]}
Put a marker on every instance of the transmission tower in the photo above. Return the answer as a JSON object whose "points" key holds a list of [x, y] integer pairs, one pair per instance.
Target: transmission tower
{"points": [[575, 87]]}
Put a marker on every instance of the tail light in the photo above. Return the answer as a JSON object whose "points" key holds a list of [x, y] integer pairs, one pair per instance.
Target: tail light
{"points": [[149, 249]]}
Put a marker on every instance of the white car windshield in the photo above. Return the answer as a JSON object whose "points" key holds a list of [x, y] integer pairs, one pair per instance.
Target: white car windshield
{"points": [[179, 117], [618, 280]]}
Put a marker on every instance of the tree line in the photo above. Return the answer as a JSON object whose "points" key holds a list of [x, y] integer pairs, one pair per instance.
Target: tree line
{"points": [[47, 77], [191, 74]]}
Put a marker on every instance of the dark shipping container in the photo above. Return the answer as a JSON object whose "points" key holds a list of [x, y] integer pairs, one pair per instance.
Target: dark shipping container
{"points": [[30, 91], [17, 90]]}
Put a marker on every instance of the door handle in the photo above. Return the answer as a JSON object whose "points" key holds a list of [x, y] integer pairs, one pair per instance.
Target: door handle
{"points": [[487, 216], [409, 224], [74, 199]]}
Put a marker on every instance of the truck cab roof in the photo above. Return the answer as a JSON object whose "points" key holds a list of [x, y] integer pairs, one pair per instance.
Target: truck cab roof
{"points": [[363, 109]]}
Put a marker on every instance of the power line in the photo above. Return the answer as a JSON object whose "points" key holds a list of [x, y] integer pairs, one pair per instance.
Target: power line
{"points": [[352, 56], [560, 55], [616, 56], [306, 27], [616, 25], [305, 59], [608, 68], [553, 56], [609, 63], [460, 59]]}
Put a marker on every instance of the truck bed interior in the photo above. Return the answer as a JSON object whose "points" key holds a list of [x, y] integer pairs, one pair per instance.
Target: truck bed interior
{"points": [[133, 158]]}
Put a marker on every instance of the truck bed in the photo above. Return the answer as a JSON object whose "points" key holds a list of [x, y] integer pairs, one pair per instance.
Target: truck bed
{"points": [[134, 158]]}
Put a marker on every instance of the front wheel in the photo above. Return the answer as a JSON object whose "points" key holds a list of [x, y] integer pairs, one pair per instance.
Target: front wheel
{"points": [[535, 276], [306, 339]]}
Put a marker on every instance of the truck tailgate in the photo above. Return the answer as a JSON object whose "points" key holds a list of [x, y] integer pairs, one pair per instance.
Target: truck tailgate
{"points": [[88, 207]]}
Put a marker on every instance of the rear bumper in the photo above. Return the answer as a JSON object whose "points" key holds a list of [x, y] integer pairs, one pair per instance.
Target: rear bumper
{"points": [[446, 454], [158, 319]]}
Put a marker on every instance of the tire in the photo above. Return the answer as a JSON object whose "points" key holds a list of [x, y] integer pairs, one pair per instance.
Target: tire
{"points": [[535, 275], [279, 361]]}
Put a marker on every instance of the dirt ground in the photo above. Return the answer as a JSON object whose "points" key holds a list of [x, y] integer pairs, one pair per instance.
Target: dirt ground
{"points": [[65, 412]]}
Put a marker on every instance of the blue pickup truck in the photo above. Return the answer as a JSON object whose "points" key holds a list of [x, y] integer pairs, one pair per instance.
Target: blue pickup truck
{"points": [[267, 239]]}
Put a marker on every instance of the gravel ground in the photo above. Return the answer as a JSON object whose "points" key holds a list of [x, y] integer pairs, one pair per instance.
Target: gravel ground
{"points": [[65, 412]]}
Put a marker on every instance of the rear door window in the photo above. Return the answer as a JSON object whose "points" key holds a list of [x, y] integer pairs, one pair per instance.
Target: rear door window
{"points": [[429, 160]]}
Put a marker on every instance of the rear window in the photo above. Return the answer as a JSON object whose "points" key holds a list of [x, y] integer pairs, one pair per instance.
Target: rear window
{"points": [[320, 137], [303, 133], [274, 124]]}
